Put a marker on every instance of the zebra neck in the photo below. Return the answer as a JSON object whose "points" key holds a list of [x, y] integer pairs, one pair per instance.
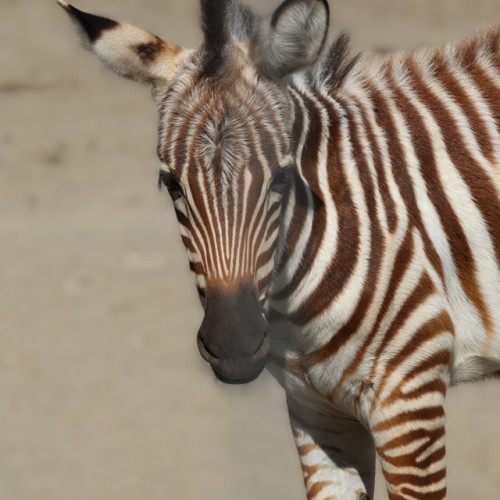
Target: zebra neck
{"points": [[313, 262]]}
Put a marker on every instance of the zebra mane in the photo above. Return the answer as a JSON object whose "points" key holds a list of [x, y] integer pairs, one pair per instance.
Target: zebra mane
{"points": [[213, 22], [221, 20], [337, 64]]}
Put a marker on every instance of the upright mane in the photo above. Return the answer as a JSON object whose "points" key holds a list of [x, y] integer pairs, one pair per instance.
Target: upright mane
{"points": [[214, 14], [222, 20]]}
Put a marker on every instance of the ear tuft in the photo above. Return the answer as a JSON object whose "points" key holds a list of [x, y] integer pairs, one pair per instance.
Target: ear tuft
{"points": [[292, 39]]}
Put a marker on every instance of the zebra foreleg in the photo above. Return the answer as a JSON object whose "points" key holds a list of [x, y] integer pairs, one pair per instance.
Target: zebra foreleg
{"points": [[409, 433], [336, 453]]}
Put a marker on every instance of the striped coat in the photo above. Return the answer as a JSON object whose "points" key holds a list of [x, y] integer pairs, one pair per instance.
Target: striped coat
{"points": [[341, 220]]}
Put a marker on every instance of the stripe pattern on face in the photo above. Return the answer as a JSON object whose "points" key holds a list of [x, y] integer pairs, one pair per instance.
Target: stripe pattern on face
{"points": [[223, 141]]}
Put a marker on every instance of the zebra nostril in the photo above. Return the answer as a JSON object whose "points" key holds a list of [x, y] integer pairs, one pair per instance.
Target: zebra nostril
{"points": [[260, 346], [206, 353], [263, 346]]}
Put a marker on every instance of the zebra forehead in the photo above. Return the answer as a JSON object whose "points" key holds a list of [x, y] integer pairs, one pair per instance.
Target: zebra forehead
{"points": [[223, 128], [225, 144]]}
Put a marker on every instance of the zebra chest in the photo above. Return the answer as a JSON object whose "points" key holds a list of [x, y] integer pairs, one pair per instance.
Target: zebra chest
{"points": [[316, 383]]}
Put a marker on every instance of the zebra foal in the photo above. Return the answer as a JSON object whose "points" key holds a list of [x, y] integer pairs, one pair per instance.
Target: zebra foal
{"points": [[341, 218]]}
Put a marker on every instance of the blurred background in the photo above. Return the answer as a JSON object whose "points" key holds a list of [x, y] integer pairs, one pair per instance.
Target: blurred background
{"points": [[102, 392]]}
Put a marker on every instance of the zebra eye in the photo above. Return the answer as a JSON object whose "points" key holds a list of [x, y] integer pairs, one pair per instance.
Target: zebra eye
{"points": [[169, 180], [280, 181]]}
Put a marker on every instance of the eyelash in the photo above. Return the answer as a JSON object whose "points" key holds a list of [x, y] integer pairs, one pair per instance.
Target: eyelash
{"points": [[169, 180]]}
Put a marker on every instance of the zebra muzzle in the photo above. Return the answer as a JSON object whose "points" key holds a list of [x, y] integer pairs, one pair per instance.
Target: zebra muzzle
{"points": [[234, 337]]}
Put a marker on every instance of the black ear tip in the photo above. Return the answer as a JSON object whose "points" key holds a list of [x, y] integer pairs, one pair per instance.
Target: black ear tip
{"points": [[93, 25]]}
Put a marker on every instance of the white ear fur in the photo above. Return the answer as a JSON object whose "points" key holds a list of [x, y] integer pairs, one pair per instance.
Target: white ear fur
{"points": [[128, 51], [134, 53], [292, 39]]}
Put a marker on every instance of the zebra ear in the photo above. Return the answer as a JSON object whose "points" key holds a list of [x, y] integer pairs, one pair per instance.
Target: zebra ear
{"points": [[243, 22], [292, 39], [128, 51]]}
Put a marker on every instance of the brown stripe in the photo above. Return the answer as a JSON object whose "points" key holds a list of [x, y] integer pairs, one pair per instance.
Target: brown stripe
{"points": [[483, 193], [397, 479], [310, 470], [246, 229], [399, 167], [208, 253], [196, 267], [343, 263], [489, 92], [445, 75], [317, 488], [377, 248], [440, 358], [432, 328], [420, 415], [401, 263], [420, 293], [308, 162], [409, 437], [430, 387], [300, 208], [180, 122], [383, 187], [188, 244], [412, 459], [433, 495]]}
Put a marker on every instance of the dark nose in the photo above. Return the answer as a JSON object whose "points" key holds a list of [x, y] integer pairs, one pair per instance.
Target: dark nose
{"points": [[234, 336]]}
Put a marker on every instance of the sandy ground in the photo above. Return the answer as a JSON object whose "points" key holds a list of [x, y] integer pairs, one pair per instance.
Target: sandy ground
{"points": [[102, 392]]}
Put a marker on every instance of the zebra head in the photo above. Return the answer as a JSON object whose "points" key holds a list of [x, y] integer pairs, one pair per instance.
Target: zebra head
{"points": [[225, 143]]}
